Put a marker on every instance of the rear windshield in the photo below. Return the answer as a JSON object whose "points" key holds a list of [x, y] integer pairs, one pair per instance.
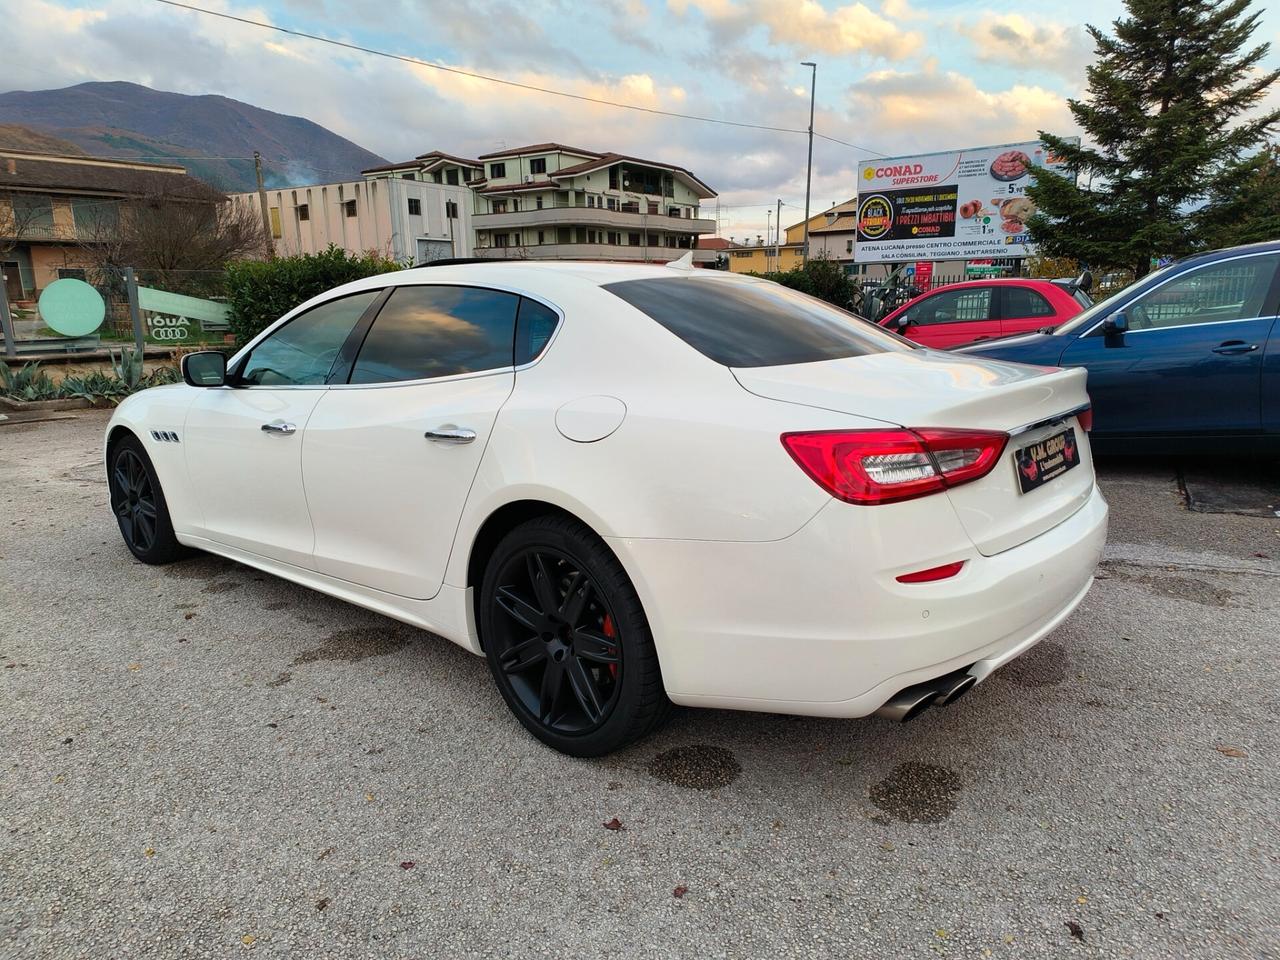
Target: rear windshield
{"points": [[744, 324]]}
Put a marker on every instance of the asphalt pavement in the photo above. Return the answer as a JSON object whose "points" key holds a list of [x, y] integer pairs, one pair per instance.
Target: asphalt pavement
{"points": [[206, 761]]}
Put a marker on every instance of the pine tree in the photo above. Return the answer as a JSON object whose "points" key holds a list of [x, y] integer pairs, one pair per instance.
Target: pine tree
{"points": [[1170, 127]]}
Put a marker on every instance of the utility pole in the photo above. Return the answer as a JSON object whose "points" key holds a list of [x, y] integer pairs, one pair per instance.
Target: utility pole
{"points": [[808, 177], [777, 238], [266, 213], [768, 233]]}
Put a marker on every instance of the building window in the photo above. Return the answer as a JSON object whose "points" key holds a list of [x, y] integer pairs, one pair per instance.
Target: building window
{"points": [[591, 201], [349, 208], [499, 239], [499, 206], [72, 273], [515, 204], [538, 165], [653, 206], [615, 238], [542, 236], [437, 177], [613, 203], [539, 202], [613, 178], [673, 211], [415, 207], [633, 239], [451, 209], [304, 211], [406, 176], [497, 171]]}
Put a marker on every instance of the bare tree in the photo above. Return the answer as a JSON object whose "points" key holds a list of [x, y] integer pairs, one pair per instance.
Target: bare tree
{"points": [[171, 238]]}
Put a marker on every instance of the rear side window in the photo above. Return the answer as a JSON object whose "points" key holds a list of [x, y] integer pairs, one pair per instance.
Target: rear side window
{"points": [[534, 327], [1025, 302], [437, 331], [754, 324]]}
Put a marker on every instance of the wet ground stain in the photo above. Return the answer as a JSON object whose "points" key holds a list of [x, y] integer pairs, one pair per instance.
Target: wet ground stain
{"points": [[220, 586], [698, 766], [1174, 586], [358, 643], [277, 605], [281, 680], [1044, 665], [917, 793], [199, 568]]}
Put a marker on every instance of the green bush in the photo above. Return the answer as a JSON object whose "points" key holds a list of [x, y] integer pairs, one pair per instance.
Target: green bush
{"points": [[821, 278], [29, 382], [261, 291]]}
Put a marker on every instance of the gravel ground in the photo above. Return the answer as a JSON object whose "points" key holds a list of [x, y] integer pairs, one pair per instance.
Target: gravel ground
{"points": [[202, 760]]}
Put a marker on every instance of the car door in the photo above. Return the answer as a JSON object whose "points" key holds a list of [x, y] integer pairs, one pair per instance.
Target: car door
{"points": [[390, 456], [948, 318], [1190, 362], [1023, 309], [243, 443]]}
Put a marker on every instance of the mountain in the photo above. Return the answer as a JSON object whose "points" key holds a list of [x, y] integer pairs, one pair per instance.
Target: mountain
{"points": [[127, 120], [14, 137]]}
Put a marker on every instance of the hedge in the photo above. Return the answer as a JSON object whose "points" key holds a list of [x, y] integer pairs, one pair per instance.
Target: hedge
{"points": [[259, 292]]}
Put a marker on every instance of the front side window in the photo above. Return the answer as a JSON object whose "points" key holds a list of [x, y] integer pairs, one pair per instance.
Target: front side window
{"points": [[952, 306], [437, 331], [754, 324], [304, 349], [1025, 302], [1233, 290]]}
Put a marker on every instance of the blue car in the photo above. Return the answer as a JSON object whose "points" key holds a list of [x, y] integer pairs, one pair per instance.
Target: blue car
{"points": [[1185, 360]]}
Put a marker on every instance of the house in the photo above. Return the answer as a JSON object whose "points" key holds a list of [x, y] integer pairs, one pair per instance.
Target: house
{"points": [[53, 206], [831, 236], [402, 215], [552, 201]]}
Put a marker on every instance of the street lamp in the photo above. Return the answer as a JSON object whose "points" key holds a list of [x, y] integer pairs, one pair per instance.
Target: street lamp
{"points": [[808, 177]]}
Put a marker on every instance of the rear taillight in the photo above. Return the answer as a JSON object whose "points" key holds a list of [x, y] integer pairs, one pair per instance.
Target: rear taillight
{"points": [[1085, 417], [886, 466]]}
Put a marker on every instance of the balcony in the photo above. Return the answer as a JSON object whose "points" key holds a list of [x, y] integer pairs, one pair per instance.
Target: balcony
{"points": [[595, 251], [621, 220], [36, 231]]}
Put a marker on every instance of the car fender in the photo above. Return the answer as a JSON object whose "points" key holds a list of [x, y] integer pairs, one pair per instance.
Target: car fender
{"points": [[157, 417]]}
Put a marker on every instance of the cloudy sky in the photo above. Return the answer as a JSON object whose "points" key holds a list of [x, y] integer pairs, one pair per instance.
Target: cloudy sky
{"points": [[894, 76]]}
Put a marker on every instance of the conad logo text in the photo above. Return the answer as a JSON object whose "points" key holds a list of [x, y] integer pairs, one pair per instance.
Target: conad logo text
{"points": [[875, 217]]}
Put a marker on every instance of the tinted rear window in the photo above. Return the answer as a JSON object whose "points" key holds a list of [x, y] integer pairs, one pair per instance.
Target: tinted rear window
{"points": [[743, 324]]}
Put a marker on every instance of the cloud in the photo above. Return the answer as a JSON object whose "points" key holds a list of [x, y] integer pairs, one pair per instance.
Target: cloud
{"points": [[929, 109], [805, 26], [1012, 40]]}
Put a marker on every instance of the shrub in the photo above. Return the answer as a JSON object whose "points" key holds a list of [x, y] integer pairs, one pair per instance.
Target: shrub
{"points": [[821, 278], [261, 291]]}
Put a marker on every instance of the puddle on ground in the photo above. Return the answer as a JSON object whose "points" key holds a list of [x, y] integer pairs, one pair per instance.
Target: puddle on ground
{"points": [[698, 766], [1044, 665], [359, 643], [1175, 586], [917, 793]]}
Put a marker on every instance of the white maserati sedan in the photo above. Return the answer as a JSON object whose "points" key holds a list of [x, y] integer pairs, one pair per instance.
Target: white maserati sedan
{"points": [[633, 485]]}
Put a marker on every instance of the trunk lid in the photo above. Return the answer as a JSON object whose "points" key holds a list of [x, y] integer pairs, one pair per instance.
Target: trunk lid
{"points": [[926, 388]]}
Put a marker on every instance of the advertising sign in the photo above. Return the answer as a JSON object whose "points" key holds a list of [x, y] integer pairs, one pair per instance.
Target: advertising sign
{"points": [[948, 206]]}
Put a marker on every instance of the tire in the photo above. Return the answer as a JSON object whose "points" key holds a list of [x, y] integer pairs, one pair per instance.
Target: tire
{"points": [[567, 640], [137, 500]]}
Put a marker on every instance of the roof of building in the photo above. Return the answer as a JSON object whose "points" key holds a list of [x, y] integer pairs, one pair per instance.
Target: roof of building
{"points": [[609, 159], [438, 155], [382, 168], [540, 148], [845, 223], [22, 169], [714, 243]]}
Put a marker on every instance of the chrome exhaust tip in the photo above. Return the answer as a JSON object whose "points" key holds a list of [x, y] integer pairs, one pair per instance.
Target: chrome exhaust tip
{"points": [[910, 702], [956, 691]]}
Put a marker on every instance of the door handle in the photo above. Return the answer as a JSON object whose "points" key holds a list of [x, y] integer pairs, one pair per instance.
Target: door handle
{"points": [[1235, 346], [450, 435], [279, 426]]}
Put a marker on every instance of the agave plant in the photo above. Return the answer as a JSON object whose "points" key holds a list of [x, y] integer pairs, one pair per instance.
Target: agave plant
{"points": [[28, 382], [128, 368]]}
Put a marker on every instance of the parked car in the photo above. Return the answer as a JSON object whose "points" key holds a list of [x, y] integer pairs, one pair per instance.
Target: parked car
{"points": [[960, 313], [1186, 360], [626, 485]]}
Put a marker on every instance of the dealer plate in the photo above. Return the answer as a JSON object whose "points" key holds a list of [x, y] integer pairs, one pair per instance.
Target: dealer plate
{"points": [[1046, 459]]}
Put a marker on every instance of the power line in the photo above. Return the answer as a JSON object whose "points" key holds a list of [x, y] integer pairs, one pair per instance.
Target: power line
{"points": [[510, 83]]}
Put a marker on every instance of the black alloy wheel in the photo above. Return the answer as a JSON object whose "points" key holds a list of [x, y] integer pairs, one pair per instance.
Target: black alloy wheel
{"points": [[559, 647], [138, 503], [133, 499], [567, 640]]}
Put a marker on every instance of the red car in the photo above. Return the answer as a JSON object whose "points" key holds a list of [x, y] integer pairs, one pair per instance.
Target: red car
{"points": [[982, 309]]}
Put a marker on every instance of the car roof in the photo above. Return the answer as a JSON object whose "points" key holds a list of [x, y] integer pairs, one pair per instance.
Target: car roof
{"points": [[536, 273]]}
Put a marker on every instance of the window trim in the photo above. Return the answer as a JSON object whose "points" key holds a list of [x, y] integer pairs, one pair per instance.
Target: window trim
{"points": [[470, 374], [1269, 306]]}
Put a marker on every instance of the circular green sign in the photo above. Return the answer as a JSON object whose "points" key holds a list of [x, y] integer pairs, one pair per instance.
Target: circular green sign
{"points": [[72, 307]]}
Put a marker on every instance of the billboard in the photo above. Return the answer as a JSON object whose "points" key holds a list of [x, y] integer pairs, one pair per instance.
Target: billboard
{"points": [[956, 205]]}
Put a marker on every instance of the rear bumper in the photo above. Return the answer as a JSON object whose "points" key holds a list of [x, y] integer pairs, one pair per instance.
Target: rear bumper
{"points": [[817, 623]]}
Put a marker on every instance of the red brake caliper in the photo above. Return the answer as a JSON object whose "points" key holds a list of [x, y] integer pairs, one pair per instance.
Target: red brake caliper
{"points": [[611, 633]]}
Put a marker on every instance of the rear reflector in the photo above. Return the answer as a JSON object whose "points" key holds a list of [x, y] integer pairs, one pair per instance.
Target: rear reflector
{"points": [[944, 572], [887, 466]]}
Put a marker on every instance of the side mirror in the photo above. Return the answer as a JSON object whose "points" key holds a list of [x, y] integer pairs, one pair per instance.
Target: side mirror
{"points": [[1118, 322], [208, 368]]}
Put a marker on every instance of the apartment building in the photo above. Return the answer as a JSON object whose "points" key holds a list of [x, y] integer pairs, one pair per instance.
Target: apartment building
{"points": [[402, 216], [551, 201]]}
